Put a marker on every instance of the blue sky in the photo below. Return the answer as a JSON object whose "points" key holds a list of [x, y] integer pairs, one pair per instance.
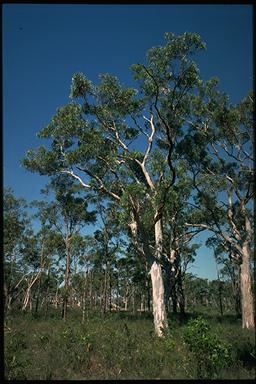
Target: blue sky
{"points": [[43, 45]]}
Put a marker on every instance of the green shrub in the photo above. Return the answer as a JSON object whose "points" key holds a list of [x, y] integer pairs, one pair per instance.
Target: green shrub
{"points": [[210, 353]]}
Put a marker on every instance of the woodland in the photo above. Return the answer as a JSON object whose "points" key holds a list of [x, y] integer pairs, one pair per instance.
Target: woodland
{"points": [[150, 169]]}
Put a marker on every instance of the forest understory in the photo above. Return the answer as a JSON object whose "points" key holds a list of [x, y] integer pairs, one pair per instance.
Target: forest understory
{"points": [[123, 345]]}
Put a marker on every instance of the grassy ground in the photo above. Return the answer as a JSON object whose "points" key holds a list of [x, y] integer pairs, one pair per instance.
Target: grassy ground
{"points": [[119, 346]]}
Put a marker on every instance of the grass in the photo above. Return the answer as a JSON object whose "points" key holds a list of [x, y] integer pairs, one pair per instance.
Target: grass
{"points": [[118, 346]]}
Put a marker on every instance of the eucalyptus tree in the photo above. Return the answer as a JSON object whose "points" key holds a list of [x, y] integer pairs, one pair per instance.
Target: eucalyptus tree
{"points": [[50, 247], [65, 215], [33, 259], [219, 155], [177, 238], [16, 228], [80, 264], [106, 247], [229, 269], [196, 291], [119, 142], [230, 273]]}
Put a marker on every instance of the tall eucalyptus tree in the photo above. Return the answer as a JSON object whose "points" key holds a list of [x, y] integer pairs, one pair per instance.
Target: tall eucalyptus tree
{"points": [[219, 153], [119, 143]]}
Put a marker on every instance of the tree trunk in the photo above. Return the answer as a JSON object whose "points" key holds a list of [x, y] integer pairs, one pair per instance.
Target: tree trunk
{"points": [[220, 298], [56, 297], [28, 291], [159, 310], [91, 289], [126, 297], [84, 297], [133, 301], [117, 293], [246, 290], [66, 279], [181, 295], [142, 299], [38, 294], [105, 291], [110, 289], [46, 303]]}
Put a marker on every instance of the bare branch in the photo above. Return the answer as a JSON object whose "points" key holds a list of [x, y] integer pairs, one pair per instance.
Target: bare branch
{"points": [[118, 137], [150, 138], [99, 180], [146, 174], [76, 177]]}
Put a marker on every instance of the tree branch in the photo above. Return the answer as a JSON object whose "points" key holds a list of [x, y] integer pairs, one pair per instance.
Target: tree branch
{"points": [[76, 177]]}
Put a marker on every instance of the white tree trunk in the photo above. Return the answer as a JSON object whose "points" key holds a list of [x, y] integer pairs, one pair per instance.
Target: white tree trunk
{"points": [[246, 290], [159, 310]]}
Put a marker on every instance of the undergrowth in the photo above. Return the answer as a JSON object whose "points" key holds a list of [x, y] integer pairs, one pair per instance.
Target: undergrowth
{"points": [[124, 346]]}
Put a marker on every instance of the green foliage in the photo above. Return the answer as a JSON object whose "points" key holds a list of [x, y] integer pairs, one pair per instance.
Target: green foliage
{"points": [[80, 85], [15, 221], [119, 346], [211, 353]]}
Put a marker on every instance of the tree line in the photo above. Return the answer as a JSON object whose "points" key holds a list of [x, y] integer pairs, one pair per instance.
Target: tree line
{"points": [[155, 165], [98, 272]]}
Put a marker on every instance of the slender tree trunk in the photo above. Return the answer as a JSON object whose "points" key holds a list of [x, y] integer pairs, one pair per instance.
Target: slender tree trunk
{"points": [[101, 301], [26, 299], [142, 298], [246, 290], [56, 297], [105, 290], [84, 297], [91, 288], [220, 298], [133, 301], [117, 293], [110, 291], [181, 295], [8, 290], [38, 295], [28, 291], [126, 297], [66, 279], [46, 302], [159, 311]]}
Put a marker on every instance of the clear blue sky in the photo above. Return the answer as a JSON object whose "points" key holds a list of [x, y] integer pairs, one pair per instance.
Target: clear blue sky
{"points": [[43, 45]]}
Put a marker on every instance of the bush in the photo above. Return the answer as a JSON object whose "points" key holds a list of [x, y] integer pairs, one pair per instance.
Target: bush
{"points": [[210, 353]]}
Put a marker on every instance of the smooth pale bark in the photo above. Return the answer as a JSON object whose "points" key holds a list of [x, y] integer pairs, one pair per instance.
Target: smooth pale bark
{"points": [[158, 290], [159, 310], [246, 290], [26, 298]]}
